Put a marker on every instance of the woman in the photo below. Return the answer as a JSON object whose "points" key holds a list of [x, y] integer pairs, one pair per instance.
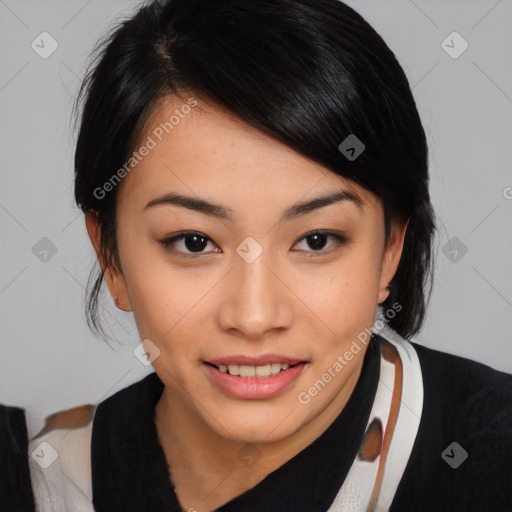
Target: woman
{"points": [[15, 489], [254, 180]]}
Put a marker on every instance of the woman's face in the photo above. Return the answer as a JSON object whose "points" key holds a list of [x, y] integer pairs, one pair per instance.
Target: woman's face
{"points": [[255, 282]]}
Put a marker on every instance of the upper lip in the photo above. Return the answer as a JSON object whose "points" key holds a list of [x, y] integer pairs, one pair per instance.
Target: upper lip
{"points": [[255, 360]]}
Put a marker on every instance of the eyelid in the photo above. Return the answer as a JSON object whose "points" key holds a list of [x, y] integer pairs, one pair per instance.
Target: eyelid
{"points": [[340, 240], [166, 242]]}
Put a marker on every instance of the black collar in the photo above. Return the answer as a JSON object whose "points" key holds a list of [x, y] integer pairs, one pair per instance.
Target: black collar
{"points": [[130, 473]]}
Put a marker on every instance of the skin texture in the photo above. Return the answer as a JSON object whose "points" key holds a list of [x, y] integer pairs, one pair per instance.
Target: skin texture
{"points": [[292, 300]]}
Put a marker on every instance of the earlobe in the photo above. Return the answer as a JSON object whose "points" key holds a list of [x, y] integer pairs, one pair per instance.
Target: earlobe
{"points": [[383, 294], [114, 279], [93, 229], [392, 258], [118, 305], [117, 288]]}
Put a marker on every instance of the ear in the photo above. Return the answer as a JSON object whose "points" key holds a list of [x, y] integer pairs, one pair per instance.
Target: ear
{"points": [[391, 257], [114, 278]]}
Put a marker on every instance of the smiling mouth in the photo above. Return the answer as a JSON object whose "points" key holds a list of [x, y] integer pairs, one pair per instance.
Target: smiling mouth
{"points": [[261, 372]]}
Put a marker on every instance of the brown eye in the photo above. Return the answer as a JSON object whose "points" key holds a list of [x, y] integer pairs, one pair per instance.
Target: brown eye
{"points": [[190, 243], [194, 243], [319, 239]]}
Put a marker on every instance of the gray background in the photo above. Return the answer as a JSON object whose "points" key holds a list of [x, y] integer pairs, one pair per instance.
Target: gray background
{"points": [[49, 359]]}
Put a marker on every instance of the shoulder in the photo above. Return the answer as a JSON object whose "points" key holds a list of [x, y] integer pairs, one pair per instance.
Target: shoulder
{"points": [[60, 454], [140, 392], [11, 415], [468, 390], [15, 486], [472, 403], [60, 461], [126, 407], [13, 431], [461, 457]]}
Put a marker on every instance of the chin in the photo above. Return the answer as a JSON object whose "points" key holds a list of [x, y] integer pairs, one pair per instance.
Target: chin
{"points": [[257, 424]]}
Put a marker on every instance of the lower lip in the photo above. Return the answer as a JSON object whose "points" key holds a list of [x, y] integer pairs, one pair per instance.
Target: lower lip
{"points": [[253, 387]]}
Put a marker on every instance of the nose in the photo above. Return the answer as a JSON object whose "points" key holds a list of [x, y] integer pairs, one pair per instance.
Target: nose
{"points": [[255, 299]]}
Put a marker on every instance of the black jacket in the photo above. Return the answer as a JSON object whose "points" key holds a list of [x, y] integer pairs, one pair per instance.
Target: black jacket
{"points": [[15, 488], [465, 402]]}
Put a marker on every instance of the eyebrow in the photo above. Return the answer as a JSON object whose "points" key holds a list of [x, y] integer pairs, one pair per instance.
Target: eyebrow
{"points": [[222, 212]]}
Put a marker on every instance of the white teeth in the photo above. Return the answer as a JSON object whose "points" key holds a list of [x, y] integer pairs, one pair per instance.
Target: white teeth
{"points": [[276, 368], [233, 369], [262, 371], [247, 371]]}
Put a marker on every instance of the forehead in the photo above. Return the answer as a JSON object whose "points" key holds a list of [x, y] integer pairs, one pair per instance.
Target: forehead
{"points": [[200, 149]]}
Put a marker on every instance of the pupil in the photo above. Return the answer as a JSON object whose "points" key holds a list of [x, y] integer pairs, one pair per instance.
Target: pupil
{"points": [[199, 243], [318, 241]]}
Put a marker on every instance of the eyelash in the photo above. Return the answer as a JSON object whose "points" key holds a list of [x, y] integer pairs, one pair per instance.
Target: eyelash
{"points": [[340, 240]]}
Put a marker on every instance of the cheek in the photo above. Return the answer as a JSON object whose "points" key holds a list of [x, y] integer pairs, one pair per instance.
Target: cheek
{"points": [[156, 296], [169, 304], [160, 313], [344, 296], [172, 303]]}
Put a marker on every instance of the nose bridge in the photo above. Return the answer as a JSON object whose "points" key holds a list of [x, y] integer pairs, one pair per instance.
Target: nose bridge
{"points": [[256, 300]]}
